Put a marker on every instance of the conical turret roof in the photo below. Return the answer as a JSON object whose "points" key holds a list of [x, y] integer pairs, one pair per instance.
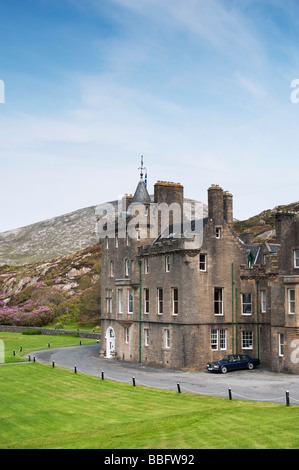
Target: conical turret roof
{"points": [[141, 195]]}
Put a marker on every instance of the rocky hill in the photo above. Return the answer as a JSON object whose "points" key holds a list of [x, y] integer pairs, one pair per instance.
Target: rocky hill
{"points": [[60, 290], [49, 239], [262, 226], [52, 238]]}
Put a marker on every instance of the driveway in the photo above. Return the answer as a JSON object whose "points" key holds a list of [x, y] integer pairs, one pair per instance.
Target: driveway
{"points": [[257, 385]]}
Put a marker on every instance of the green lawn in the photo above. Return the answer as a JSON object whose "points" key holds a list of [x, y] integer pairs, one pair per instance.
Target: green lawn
{"points": [[50, 408], [16, 342]]}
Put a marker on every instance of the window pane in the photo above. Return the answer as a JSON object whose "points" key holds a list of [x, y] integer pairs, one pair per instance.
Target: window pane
{"points": [[202, 262], [214, 339], [222, 339], [246, 304], [175, 301], [247, 339], [160, 301], [291, 300], [218, 301]]}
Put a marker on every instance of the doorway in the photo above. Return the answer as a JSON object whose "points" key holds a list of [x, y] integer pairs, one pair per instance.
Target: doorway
{"points": [[110, 342]]}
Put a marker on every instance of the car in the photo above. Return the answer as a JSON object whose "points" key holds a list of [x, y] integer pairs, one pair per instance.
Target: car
{"points": [[233, 362]]}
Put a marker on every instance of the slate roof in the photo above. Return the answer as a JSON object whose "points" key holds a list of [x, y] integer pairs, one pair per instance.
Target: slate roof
{"points": [[141, 195]]}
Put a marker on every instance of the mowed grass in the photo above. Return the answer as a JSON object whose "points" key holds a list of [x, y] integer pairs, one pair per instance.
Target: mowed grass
{"points": [[24, 344], [42, 407]]}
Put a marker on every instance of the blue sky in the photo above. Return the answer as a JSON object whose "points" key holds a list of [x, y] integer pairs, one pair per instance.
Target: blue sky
{"points": [[200, 88]]}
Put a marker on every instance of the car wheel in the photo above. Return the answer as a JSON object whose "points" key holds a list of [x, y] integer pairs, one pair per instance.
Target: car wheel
{"points": [[224, 370], [250, 366]]}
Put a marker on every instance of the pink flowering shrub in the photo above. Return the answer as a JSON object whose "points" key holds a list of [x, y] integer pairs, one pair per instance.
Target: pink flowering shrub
{"points": [[20, 316]]}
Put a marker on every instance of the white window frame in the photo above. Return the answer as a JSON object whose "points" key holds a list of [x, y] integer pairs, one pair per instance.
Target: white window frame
{"points": [[218, 232], [175, 300], [146, 337], [146, 301], [167, 338], [160, 300], [246, 304], [223, 339], [146, 265], [167, 263], [130, 301], [218, 339], [203, 262], [219, 303], [111, 269], [263, 301], [127, 267], [120, 301], [280, 344], [214, 340], [247, 340], [291, 301], [127, 335], [296, 259]]}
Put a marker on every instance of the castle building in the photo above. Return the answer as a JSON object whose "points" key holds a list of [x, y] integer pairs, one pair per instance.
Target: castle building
{"points": [[184, 291]]}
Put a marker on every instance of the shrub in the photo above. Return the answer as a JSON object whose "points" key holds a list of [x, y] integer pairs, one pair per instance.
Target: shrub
{"points": [[31, 332]]}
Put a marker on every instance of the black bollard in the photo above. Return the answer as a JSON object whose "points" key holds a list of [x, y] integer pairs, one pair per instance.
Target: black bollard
{"points": [[75, 370], [33, 358], [53, 365], [230, 393], [29, 358], [14, 352], [287, 398], [133, 378], [48, 345], [102, 375], [179, 388]]}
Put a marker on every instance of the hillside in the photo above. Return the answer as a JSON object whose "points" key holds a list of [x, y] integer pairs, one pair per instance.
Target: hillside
{"points": [[63, 290], [52, 238], [49, 239], [262, 226]]}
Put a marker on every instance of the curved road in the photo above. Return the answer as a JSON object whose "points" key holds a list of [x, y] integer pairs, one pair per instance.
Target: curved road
{"points": [[258, 384]]}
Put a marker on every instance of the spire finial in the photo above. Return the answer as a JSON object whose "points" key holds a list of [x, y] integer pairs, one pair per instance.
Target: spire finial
{"points": [[141, 169]]}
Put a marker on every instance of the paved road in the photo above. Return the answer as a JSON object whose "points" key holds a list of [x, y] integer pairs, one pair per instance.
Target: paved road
{"points": [[257, 385]]}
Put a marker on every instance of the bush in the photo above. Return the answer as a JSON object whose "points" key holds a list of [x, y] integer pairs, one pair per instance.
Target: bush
{"points": [[31, 332], [18, 316]]}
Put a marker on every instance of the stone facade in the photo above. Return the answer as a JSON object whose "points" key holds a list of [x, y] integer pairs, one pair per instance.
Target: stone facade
{"points": [[180, 302]]}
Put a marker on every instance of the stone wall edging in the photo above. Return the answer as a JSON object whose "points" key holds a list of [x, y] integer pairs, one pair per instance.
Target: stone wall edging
{"points": [[50, 331]]}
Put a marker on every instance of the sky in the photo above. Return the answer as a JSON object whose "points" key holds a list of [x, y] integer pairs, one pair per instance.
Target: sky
{"points": [[205, 90]]}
